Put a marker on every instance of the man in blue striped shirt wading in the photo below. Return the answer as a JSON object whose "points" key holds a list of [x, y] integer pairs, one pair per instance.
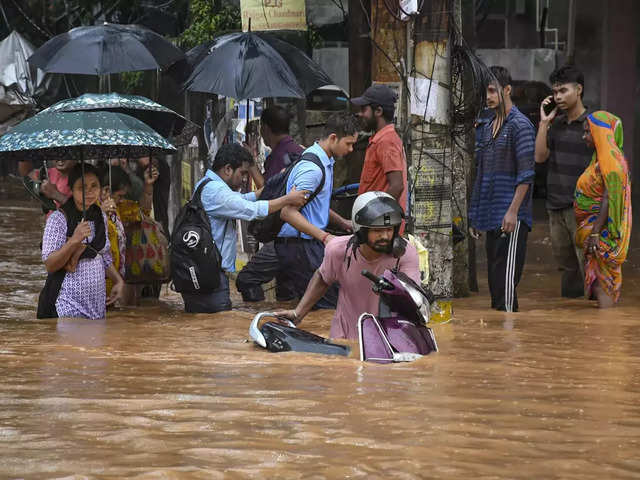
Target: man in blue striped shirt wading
{"points": [[501, 198]]}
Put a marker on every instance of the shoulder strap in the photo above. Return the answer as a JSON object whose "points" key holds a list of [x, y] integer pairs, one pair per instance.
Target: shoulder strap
{"points": [[197, 198], [312, 157], [198, 193], [224, 234]]}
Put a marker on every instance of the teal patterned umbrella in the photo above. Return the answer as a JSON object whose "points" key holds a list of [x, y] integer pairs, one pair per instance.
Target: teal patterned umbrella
{"points": [[81, 135], [163, 120]]}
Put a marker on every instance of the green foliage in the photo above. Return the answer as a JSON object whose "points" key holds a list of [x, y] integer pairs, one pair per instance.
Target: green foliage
{"points": [[130, 81], [208, 22]]}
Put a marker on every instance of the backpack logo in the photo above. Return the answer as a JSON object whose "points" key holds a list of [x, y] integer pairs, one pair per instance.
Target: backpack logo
{"points": [[191, 239]]}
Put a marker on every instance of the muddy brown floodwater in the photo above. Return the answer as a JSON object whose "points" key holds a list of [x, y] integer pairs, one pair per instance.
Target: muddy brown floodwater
{"points": [[153, 393]]}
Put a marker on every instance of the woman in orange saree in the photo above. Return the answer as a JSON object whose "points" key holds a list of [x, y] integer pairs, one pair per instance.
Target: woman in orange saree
{"points": [[603, 209]]}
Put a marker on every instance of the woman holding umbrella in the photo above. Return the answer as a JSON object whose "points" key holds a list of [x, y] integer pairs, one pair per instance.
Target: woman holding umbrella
{"points": [[75, 247], [76, 253]]}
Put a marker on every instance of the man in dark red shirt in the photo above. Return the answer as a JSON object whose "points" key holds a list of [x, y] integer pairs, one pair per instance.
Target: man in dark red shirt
{"points": [[385, 165]]}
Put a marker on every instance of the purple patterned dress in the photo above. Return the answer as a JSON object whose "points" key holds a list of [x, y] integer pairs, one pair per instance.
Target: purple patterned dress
{"points": [[83, 293]]}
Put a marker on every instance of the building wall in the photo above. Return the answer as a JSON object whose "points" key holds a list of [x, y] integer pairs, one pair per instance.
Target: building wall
{"points": [[606, 51], [619, 70]]}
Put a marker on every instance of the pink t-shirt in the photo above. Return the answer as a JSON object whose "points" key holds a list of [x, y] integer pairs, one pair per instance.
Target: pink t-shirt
{"points": [[355, 295], [60, 181]]}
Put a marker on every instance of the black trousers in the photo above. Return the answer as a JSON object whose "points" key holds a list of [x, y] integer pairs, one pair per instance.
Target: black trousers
{"points": [[506, 254], [216, 301], [299, 259], [262, 268]]}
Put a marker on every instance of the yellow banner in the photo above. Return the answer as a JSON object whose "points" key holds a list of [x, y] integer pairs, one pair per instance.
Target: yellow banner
{"points": [[273, 15]]}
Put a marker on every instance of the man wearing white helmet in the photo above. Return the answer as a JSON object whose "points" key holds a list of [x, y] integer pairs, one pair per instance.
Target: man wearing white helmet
{"points": [[375, 246]]}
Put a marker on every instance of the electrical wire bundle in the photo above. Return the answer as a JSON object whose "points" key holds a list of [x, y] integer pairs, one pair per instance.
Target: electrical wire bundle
{"points": [[469, 78]]}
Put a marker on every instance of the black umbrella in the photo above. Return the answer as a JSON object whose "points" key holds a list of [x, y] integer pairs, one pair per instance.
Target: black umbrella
{"points": [[255, 65], [105, 49], [183, 68]]}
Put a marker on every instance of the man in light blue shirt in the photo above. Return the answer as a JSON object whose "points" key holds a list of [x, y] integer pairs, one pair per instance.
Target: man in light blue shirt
{"points": [[300, 243], [224, 205]]}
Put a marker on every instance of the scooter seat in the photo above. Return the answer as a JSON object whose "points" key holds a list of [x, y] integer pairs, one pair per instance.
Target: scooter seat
{"points": [[281, 338], [277, 337]]}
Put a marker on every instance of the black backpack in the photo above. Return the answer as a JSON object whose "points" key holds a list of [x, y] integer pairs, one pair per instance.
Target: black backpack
{"points": [[267, 229], [195, 259]]}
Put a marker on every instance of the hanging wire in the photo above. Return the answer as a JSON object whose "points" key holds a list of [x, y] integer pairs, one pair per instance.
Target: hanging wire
{"points": [[472, 77], [28, 19], [4, 16], [468, 80], [340, 5]]}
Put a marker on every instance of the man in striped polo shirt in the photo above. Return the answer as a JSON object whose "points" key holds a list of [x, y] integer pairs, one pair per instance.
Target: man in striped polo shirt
{"points": [[559, 141], [501, 197]]}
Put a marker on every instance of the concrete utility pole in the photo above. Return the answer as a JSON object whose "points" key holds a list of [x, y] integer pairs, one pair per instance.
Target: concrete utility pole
{"points": [[416, 60], [463, 274]]}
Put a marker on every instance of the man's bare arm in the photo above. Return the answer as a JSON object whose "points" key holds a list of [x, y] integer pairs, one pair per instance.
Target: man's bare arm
{"points": [[338, 221], [395, 184]]}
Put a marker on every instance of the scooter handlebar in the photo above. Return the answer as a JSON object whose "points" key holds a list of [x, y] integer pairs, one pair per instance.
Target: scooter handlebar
{"points": [[371, 276], [379, 283]]}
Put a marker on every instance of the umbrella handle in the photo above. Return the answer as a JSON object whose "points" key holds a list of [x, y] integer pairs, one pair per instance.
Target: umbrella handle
{"points": [[84, 209]]}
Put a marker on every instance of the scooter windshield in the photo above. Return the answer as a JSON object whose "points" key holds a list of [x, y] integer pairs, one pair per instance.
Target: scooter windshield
{"points": [[417, 295]]}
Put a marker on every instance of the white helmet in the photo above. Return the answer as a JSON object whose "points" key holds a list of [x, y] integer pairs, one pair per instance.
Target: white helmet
{"points": [[375, 210]]}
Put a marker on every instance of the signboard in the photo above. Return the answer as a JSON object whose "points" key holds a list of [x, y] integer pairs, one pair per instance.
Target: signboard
{"points": [[273, 15], [432, 192]]}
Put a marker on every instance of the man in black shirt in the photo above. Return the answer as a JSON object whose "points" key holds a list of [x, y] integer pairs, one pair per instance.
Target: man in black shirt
{"points": [[559, 141]]}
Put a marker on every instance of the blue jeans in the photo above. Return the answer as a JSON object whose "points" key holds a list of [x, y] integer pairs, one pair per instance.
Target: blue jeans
{"points": [[216, 301]]}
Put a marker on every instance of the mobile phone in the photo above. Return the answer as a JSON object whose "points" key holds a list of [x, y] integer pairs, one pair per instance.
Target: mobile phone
{"points": [[548, 108]]}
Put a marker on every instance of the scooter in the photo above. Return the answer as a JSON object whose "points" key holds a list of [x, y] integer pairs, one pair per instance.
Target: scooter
{"points": [[400, 332], [277, 337]]}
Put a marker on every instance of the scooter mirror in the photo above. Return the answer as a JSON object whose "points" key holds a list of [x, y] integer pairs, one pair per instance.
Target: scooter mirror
{"points": [[399, 247]]}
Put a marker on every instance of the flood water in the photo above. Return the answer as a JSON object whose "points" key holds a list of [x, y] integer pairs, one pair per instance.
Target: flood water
{"points": [[152, 393]]}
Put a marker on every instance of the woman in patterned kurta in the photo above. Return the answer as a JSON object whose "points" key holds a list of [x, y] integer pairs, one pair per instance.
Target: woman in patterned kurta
{"points": [[83, 290], [124, 213], [603, 209], [115, 185]]}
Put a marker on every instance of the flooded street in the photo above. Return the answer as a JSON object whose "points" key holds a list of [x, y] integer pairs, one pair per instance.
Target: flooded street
{"points": [[152, 393]]}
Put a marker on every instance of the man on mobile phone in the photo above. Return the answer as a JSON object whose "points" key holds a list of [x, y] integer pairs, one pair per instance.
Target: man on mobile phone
{"points": [[559, 142]]}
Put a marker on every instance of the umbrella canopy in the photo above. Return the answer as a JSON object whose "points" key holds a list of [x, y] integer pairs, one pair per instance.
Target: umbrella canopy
{"points": [[160, 118], [182, 69], [14, 70], [105, 49], [255, 65], [80, 135]]}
